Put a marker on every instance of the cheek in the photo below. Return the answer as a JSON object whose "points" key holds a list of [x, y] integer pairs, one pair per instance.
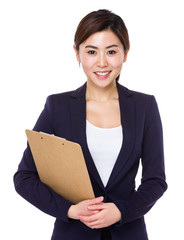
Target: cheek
{"points": [[87, 62], [117, 62]]}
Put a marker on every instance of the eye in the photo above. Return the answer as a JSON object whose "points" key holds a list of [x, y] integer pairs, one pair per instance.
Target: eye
{"points": [[111, 52], [91, 52]]}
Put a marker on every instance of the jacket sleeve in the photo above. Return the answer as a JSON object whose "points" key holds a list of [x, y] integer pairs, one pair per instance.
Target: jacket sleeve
{"points": [[153, 183], [26, 179]]}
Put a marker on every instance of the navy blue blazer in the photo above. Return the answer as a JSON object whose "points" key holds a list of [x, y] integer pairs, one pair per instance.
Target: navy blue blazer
{"points": [[65, 115]]}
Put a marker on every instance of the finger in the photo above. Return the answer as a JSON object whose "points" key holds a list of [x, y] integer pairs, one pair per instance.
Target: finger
{"points": [[88, 219], [95, 225], [96, 200], [96, 206], [95, 212], [90, 222]]}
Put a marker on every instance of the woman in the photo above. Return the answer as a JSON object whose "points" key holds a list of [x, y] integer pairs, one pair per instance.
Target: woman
{"points": [[116, 127]]}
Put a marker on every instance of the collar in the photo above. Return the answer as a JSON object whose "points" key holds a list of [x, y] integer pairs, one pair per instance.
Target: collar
{"points": [[81, 91]]}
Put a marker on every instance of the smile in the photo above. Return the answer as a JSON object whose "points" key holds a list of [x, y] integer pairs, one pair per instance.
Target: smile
{"points": [[102, 73]]}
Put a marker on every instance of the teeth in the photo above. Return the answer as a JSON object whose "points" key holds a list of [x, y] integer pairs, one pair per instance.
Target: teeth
{"points": [[102, 73]]}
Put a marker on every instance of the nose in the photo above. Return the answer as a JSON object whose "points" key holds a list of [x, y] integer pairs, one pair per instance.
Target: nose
{"points": [[102, 60]]}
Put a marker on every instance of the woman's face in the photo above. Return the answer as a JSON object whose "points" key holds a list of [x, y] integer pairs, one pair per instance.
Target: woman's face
{"points": [[102, 57]]}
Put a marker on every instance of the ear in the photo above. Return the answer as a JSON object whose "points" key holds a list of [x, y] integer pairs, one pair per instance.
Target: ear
{"points": [[126, 55], [77, 53]]}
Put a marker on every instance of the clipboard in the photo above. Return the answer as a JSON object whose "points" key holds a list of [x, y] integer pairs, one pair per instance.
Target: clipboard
{"points": [[60, 164]]}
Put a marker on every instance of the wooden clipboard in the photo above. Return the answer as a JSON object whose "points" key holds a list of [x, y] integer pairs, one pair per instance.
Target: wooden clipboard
{"points": [[60, 164]]}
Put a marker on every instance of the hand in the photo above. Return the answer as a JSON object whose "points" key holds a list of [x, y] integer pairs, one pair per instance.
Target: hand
{"points": [[107, 215], [82, 208]]}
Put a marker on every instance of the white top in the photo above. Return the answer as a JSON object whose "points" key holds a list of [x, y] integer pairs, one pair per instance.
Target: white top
{"points": [[104, 145]]}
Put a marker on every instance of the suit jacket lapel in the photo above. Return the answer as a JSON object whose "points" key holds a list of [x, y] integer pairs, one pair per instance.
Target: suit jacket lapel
{"points": [[78, 117], [127, 109]]}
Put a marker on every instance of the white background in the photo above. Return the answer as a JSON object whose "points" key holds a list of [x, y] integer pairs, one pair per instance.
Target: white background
{"points": [[37, 59]]}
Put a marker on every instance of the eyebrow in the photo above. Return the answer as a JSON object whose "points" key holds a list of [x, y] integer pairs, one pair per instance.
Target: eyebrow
{"points": [[91, 46]]}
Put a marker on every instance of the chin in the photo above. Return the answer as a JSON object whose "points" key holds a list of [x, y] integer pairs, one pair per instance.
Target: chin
{"points": [[103, 83]]}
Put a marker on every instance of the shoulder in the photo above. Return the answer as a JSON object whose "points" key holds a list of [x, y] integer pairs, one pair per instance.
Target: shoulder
{"points": [[60, 99], [139, 98], [145, 104], [143, 99], [66, 96], [58, 102], [63, 96]]}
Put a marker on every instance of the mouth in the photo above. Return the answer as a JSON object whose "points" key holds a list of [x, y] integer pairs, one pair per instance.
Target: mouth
{"points": [[103, 74]]}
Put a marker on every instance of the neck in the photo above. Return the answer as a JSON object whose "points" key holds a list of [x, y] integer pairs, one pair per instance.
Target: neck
{"points": [[101, 94]]}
